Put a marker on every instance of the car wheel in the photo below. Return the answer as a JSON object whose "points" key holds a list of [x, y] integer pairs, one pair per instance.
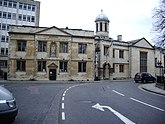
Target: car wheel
{"points": [[136, 81]]}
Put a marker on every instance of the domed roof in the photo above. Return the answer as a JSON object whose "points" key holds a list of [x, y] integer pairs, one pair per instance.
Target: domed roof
{"points": [[102, 17]]}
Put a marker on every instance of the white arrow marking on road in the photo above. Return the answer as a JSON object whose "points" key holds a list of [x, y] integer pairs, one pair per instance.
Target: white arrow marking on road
{"points": [[120, 116]]}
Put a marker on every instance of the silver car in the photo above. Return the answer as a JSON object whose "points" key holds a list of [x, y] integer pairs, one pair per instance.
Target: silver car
{"points": [[8, 107]]}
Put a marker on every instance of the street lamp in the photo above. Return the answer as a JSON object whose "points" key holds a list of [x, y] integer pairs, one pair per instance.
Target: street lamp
{"points": [[159, 63], [160, 78], [97, 61]]}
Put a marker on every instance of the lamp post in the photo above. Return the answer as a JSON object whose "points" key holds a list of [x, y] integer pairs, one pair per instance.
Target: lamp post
{"points": [[97, 63], [159, 66], [161, 76]]}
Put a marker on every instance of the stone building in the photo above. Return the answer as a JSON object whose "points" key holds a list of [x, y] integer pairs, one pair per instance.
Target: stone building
{"points": [[39, 53], [118, 59]]}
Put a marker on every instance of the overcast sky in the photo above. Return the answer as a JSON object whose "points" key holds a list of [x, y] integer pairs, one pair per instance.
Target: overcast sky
{"points": [[130, 18]]}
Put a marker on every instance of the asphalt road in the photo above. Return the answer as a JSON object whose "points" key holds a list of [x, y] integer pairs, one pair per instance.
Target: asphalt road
{"points": [[38, 103], [87, 103]]}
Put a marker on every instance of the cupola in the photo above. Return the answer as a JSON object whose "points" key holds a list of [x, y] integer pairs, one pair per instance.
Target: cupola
{"points": [[102, 25]]}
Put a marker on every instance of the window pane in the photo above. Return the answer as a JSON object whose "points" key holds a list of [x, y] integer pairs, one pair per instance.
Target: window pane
{"points": [[82, 48], [81, 66], [5, 3], [6, 51], [29, 7], [28, 18], [21, 45], [1, 3], [63, 47], [42, 46], [14, 5], [14, 16], [3, 38], [42, 66], [3, 26], [4, 15], [25, 7], [9, 16], [3, 63], [20, 17], [143, 61], [121, 68], [7, 39], [10, 4], [63, 66], [21, 65], [7, 28], [33, 8], [24, 17], [2, 51], [32, 19], [20, 5], [121, 53]]}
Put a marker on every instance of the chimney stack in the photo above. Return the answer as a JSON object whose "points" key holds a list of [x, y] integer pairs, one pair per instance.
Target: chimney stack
{"points": [[119, 37]]}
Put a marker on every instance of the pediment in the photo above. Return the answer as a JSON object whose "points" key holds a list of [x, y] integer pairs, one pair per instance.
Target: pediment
{"points": [[53, 65], [143, 43], [53, 31]]}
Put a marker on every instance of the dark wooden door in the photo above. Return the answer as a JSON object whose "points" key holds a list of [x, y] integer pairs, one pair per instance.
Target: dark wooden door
{"points": [[52, 74]]}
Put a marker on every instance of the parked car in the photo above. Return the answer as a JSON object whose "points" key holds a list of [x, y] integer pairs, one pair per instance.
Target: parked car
{"points": [[144, 77], [8, 107]]}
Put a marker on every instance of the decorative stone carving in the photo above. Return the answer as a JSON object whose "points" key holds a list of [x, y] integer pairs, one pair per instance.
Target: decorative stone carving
{"points": [[53, 50]]}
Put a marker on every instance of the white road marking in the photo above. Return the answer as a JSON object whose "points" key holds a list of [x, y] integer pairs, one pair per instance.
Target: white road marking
{"points": [[63, 94], [118, 93], [63, 98], [63, 116], [120, 116], [62, 105], [147, 104], [2, 101]]}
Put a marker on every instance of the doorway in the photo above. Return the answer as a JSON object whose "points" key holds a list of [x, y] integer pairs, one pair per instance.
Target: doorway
{"points": [[52, 74]]}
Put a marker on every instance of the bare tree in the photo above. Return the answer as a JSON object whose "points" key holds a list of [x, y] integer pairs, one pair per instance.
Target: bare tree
{"points": [[159, 24]]}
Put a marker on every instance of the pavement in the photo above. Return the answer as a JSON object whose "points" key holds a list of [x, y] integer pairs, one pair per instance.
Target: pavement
{"points": [[152, 88]]}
